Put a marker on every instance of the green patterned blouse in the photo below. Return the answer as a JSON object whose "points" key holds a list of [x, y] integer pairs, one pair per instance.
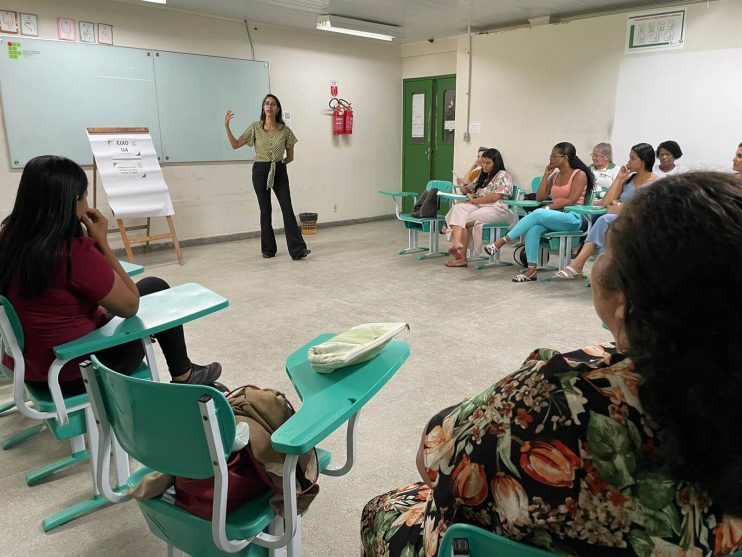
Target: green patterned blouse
{"points": [[269, 147]]}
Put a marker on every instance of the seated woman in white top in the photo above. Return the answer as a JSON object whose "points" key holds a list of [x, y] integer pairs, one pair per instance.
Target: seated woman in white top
{"points": [[484, 206], [667, 153], [604, 170]]}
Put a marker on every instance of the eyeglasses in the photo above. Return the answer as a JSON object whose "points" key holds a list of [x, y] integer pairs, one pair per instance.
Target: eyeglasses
{"points": [[598, 155]]}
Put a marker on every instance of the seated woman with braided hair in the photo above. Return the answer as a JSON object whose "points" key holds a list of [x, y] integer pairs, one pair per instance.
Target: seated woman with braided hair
{"points": [[615, 450], [568, 181]]}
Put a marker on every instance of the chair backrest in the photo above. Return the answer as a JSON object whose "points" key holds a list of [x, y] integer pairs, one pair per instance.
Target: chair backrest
{"points": [[160, 424], [483, 543], [442, 185], [15, 323], [535, 183]]}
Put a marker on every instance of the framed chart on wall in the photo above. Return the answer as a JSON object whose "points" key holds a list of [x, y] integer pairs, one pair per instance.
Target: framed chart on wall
{"points": [[8, 21], [29, 25]]}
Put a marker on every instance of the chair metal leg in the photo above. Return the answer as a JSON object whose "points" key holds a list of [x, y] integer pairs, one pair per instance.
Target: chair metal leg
{"points": [[433, 243], [412, 243], [6, 406], [293, 549], [175, 552], [37, 476], [12, 440], [70, 513]]}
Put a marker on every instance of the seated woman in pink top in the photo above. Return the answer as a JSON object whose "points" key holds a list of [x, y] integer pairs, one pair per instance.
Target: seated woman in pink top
{"points": [[572, 182]]}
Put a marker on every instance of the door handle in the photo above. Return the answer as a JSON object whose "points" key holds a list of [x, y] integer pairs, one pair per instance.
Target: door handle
{"points": [[428, 152]]}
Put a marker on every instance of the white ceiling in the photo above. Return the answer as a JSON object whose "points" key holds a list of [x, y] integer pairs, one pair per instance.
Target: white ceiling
{"points": [[419, 19]]}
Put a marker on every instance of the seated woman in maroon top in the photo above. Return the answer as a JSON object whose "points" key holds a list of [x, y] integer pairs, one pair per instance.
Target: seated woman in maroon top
{"points": [[60, 274]]}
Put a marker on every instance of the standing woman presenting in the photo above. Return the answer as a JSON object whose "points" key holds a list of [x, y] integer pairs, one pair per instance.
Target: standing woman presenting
{"points": [[271, 137]]}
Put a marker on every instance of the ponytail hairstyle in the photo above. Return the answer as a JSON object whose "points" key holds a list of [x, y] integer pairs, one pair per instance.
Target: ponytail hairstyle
{"points": [[498, 165], [684, 339], [569, 151], [38, 233]]}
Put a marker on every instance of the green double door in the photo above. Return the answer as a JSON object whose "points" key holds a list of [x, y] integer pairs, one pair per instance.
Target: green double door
{"points": [[429, 130]]}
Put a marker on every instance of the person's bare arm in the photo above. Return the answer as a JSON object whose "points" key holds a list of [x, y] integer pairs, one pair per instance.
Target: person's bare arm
{"points": [[544, 188], [289, 155], [123, 299], [233, 141]]}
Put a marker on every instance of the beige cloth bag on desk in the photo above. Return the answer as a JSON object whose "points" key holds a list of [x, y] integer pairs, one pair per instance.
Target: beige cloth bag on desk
{"points": [[356, 345]]}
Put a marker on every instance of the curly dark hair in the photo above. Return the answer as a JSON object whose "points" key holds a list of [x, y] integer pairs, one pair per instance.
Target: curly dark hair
{"points": [[672, 147], [684, 331]]}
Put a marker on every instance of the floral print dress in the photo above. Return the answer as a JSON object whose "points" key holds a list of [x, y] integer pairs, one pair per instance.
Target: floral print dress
{"points": [[561, 455]]}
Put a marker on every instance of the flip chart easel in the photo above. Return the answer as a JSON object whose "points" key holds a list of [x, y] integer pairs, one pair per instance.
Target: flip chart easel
{"points": [[122, 229]]}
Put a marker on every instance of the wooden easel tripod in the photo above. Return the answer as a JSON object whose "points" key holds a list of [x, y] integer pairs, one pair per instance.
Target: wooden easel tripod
{"points": [[122, 229]]}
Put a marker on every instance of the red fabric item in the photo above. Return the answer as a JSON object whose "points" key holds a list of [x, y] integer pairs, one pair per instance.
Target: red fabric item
{"points": [[66, 311], [245, 483]]}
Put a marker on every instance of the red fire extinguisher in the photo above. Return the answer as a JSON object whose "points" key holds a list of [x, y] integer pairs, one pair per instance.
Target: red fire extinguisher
{"points": [[349, 119], [342, 116]]}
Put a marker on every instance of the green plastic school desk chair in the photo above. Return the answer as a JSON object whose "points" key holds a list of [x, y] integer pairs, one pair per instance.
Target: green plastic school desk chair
{"points": [[492, 232], [71, 417], [465, 540], [198, 443], [414, 225], [6, 408]]}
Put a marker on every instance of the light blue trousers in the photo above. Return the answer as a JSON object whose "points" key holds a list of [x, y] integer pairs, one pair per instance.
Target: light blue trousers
{"points": [[599, 230], [539, 221]]}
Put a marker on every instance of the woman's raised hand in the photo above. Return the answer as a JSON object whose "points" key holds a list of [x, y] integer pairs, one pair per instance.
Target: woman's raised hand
{"points": [[96, 225], [625, 173], [228, 117]]}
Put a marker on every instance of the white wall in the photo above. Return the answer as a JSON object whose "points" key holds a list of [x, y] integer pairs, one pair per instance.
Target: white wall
{"points": [[532, 88], [217, 199], [429, 59]]}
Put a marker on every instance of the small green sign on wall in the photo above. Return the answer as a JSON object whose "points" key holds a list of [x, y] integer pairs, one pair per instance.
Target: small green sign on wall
{"points": [[14, 50]]}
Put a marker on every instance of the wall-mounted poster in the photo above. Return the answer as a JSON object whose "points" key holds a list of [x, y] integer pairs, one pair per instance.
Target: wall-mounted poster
{"points": [[66, 29], [29, 25], [105, 33], [87, 32], [8, 21], [658, 30]]}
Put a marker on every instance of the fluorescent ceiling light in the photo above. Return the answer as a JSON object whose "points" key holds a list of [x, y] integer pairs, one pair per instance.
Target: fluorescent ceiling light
{"points": [[358, 27], [156, 1]]}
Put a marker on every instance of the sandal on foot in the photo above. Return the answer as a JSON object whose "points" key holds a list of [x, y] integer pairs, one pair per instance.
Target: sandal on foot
{"points": [[457, 263], [456, 251], [568, 273], [525, 278], [490, 249]]}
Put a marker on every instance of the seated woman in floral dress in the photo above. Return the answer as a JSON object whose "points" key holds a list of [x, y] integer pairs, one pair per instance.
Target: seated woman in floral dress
{"points": [[625, 449], [484, 205]]}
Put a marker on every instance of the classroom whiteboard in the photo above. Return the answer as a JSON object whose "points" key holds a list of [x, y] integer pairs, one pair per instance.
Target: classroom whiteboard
{"points": [[194, 92], [693, 98], [53, 91]]}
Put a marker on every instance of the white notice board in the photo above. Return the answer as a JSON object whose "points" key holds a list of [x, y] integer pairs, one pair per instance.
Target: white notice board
{"points": [[131, 175]]}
